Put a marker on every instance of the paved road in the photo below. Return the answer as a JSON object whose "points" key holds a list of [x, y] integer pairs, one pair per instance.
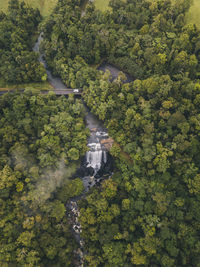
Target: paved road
{"points": [[56, 91]]}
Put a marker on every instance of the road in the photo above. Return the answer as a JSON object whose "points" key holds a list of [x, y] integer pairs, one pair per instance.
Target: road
{"points": [[56, 91]]}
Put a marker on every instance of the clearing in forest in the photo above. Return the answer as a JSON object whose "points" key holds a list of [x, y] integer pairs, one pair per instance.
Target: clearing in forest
{"points": [[102, 4], [45, 6], [194, 13]]}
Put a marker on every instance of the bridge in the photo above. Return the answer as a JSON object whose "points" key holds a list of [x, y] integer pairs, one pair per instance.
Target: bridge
{"points": [[76, 91], [68, 91]]}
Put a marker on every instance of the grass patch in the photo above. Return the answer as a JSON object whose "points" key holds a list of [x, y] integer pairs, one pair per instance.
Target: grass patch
{"points": [[3, 5], [102, 4], [193, 15], [40, 86], [45, 6]]}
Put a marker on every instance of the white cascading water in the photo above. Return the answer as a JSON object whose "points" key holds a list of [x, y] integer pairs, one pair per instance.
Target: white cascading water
{"points": [[94, 156]]}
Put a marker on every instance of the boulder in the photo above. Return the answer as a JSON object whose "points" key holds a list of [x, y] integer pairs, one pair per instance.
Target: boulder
{"points": [[107, 143], [90, 171], [93, 130]]}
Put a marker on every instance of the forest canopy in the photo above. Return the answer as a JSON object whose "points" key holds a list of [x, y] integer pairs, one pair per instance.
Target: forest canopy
{"points": [[18, 63], [147, 213], [42, 138]]}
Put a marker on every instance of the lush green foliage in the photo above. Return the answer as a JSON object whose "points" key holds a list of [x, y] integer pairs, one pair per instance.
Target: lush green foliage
{"points": [[134, 36], [147, 214], [41, 137], [18, 63], [158, 196], [68, 44], [153, 219]]}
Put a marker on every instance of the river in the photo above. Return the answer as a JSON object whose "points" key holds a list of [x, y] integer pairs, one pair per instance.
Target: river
{"points": [[97, 162], [54, 81]]}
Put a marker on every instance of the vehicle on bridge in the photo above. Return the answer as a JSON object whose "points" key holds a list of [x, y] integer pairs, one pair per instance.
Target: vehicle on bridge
{"points": [[76, 91]]}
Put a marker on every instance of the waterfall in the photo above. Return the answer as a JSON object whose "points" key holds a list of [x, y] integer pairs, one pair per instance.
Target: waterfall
{"points": [[94, 156], [94, 159]]}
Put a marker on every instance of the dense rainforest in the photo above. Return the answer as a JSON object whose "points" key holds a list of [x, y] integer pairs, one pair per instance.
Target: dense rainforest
{"points": [[147, 213], [42, 138], [18, 63]]}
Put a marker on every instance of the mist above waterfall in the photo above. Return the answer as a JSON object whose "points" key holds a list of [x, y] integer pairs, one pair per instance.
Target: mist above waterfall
{"points": [[50, 181]]}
